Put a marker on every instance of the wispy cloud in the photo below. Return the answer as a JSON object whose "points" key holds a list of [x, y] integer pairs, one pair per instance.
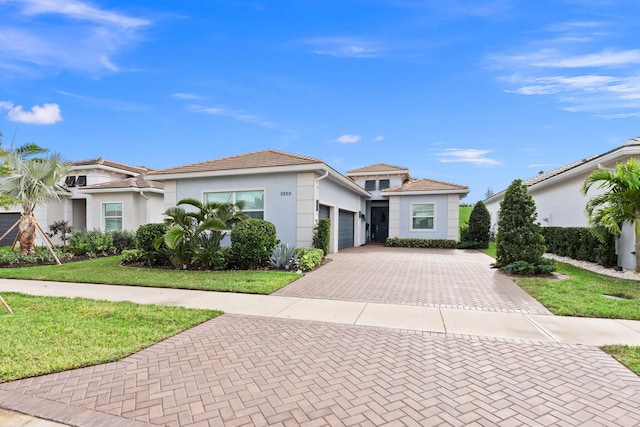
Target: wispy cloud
{"points": [[346, 47], [47, 114], [378, 138], [585, 77], [235, 114], [467, 155], [184, 95], [64, 34], [348, 139]]}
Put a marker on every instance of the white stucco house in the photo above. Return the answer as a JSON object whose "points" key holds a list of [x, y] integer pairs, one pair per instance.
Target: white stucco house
{"points": [[99, 194], [294, 191], [559, 200]]}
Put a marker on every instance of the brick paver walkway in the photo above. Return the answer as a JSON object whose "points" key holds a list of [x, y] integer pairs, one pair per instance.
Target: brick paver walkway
{"points": [[241, 370], [426, 277]]}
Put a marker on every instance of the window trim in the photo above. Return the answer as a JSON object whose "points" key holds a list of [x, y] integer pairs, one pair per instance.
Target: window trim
{"points": [[234, 198], [105, 217], [411, 217]]}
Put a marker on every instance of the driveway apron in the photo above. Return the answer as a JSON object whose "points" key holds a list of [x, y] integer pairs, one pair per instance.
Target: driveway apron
{"points": [[250, 370]]}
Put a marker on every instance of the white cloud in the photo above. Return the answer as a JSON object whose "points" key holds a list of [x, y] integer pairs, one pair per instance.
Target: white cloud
{"points": [[348, 138], [378, 138], [46, 114], [184, 95], [345, 47], [467, 155], [64, 34], [239, 115]]}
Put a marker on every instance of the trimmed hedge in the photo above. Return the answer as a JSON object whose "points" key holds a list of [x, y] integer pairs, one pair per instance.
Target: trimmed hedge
{"points": [[397, 242], [322, 235], [309, 258], [579, 243]]}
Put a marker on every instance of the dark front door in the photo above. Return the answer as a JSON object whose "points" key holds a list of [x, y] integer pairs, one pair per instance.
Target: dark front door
{"points": [[379, 224]]}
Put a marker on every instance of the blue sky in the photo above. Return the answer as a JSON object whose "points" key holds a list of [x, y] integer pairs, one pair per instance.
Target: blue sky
{"points": [[472, 92]]}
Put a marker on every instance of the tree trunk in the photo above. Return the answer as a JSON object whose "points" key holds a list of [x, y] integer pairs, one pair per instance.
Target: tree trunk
{"points": [[27, 233]]}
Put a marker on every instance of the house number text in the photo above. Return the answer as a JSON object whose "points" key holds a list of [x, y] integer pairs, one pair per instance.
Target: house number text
{"points": [[285, 193]]}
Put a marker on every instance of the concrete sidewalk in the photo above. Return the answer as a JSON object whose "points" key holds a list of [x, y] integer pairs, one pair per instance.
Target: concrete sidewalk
{"points": [[516, 326]]}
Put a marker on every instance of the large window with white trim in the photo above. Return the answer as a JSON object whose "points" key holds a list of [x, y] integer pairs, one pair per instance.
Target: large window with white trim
{"points": [[422, 216], [112, 214], [253, 200]]}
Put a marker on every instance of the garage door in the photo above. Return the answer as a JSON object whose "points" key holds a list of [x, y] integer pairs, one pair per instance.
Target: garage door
{"points": [[7, 220], [345, 229]]}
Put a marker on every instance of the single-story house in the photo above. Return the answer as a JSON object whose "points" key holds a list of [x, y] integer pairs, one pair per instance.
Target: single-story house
{"points": [[560, 202], [99, 194], [294, 191]]}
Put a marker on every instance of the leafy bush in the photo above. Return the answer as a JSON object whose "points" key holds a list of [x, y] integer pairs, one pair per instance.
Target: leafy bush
{"points": [[132, 256], [146, 237], [518, 237], [582, 244], [63, 229], [543, 266], [40, 256], [123, 240], [397, 242], [252, 241], [283, 257], [322, 235], [310, 258], [91, 243]]}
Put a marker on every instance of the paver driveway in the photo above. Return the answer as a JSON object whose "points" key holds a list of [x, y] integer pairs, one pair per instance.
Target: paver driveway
{"points": [[429, 277], [248, 370]]}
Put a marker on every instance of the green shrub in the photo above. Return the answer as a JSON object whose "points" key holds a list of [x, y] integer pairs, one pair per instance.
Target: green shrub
{"points": [[283, 257], [397, 242], [123, 240], [252, 241], [91, 243], [40, 256], [310, 258], [146, 237], [322, 235], [132, 256], [518, 237], [542, 267], [477, 234], [581, 244]]}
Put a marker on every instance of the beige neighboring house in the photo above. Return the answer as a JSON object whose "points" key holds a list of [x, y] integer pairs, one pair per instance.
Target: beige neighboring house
{"points": [[559, 200], [100, 194]]}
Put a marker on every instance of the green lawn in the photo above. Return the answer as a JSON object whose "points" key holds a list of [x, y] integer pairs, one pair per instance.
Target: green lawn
{"points": [[465, 213], [109, 271], [47, 334]]}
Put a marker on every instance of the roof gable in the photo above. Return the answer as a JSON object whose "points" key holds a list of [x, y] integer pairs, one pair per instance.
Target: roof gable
{"points": [[257, 159], [425, 186], [138, 182], [100, 162], [379, 167]]}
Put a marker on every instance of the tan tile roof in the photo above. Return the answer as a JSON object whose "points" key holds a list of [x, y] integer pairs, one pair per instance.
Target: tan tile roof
{"points": [[136, 182], [257, 159], [424, 185], [379, 167], [100, 161]]}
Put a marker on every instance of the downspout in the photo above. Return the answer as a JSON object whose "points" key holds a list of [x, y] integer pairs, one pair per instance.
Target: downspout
{"points": [[315, 184]]}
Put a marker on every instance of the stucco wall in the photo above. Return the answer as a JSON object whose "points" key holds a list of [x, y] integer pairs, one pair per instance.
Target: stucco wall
{"points": [[280, 196], [441, 223], [338, 197]]}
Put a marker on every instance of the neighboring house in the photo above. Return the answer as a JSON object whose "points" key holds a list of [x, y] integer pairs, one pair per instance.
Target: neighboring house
{"points": [[401, 206], [100, 194], [559, 200], [294, 191]]}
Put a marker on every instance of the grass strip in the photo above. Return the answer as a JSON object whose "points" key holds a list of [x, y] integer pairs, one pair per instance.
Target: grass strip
{"points": [[109, 271], [52, 334]]}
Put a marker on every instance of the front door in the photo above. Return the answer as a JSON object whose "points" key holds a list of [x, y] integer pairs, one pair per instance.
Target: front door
{"points": [[379, 224]]}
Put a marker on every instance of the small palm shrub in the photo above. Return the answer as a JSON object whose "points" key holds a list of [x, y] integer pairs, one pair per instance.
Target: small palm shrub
{"points": [[252, 242]]}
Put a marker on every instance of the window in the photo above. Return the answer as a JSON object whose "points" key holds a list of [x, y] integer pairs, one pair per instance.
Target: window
{"points": [[422, 216], [112, 213], [370, 185], [384, 183], [253, 201]]}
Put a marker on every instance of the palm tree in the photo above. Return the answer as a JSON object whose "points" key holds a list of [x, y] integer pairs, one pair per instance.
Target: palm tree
{"points": [[619, 201], [32, 182]]}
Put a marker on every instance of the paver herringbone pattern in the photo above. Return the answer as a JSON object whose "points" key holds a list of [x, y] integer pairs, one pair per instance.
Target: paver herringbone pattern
{"points": [[242, 370], [429, 277]]}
